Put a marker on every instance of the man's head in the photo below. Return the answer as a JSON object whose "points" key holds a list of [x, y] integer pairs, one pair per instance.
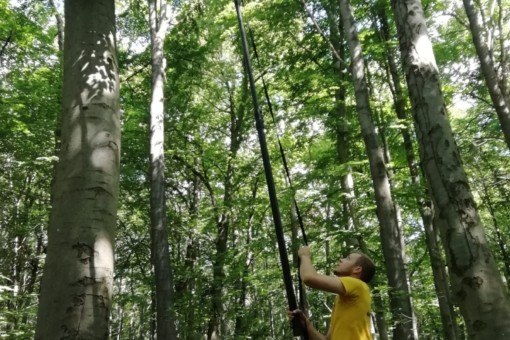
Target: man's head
{"points": [[357, 265]]}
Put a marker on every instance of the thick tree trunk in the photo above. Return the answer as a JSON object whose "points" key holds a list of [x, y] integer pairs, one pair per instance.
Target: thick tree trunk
{"points": [[165, 324], [390, 232], [475, 278], [76, 287], [496, 86], [450, 327]]}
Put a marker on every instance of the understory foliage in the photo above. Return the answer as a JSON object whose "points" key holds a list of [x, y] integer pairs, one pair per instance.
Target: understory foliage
{"points": [[206, 99]]}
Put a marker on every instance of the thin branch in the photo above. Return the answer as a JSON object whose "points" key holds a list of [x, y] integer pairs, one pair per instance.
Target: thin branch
{"points": [[7, 41], [483, 100], [201, 176], [137, 71], [323, 35]]}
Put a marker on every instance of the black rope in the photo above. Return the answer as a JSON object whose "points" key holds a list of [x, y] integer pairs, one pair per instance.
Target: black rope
{"points": [[287, 172], [280, 146], [287, 278]]}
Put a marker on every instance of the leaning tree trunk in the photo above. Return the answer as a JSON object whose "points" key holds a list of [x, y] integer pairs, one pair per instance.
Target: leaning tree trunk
{"points": [[423, 202], [76, 288], [495, 85], [475, 278], [165, 324], [340, 121], [390, 233]]}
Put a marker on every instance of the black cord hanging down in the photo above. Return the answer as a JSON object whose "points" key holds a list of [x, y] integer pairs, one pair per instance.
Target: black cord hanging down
{"points": [[287, 277], [280, 146], [287, 172]]}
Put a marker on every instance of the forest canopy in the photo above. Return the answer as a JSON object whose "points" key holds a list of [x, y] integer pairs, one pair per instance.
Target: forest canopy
{"points": [[135, 203]]}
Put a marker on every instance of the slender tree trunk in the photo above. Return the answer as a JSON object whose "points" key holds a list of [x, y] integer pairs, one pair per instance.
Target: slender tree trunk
{"points": [[379, 118], [60, 41], [341, 123], [496, 86], [390, 232], [216, 323], [423, 203], [475, 278], [241, 317], [77, 282], [60, 26], [186, 285], [120, 312], [165, 324], [499, 237]]}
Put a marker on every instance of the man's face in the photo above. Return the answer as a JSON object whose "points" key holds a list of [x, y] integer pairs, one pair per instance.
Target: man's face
{"points": [[347, 265]]}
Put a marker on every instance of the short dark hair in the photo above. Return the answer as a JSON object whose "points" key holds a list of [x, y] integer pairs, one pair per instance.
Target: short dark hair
{"points": [[367, 267]]}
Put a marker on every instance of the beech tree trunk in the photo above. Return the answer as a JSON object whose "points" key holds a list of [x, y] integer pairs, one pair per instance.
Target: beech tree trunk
{"points": [[423, 202], [165, 324], [476, 281], [496, 85], [390, 233], [77, 282], [340, 120]]}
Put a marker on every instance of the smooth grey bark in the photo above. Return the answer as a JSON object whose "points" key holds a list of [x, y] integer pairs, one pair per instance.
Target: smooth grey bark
{"points": [[495, 84], [76, 287], [476, 281], [379, 121], [340, 120], [60, 26], [165, 323], [390, 233], [423, 202]]}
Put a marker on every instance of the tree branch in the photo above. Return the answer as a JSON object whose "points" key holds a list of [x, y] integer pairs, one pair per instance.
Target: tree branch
{"points": [[199, 175], [7, 41], [323, 35]]}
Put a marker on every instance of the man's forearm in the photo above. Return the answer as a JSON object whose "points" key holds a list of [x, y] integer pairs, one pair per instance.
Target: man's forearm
{"points": [[313, 333], [306, 268]]}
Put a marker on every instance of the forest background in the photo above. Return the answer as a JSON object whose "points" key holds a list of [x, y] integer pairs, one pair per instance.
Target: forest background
{"points": [[226, 277]]}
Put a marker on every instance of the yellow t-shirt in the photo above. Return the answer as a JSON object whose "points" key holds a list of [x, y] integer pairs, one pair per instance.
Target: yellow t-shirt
{"points": [[350, 319]]}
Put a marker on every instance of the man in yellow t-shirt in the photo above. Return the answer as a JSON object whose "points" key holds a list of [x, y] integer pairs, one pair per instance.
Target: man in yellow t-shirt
{"points": [[350, 319]]}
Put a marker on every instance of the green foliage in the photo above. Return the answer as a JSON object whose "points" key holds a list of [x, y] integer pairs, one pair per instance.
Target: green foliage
{"points": [[204, 83]]}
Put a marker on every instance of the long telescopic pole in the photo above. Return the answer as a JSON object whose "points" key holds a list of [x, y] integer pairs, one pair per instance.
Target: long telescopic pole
{"points": [[287, 277]]}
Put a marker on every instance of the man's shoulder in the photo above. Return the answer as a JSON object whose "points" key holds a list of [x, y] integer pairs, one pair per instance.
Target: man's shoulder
{"points": [[353, 280], [353, 284]]}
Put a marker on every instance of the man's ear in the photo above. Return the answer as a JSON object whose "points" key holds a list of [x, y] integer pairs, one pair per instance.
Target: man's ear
{"points": [[357, 270]]}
